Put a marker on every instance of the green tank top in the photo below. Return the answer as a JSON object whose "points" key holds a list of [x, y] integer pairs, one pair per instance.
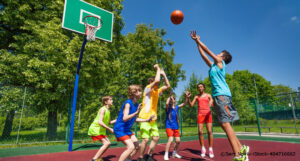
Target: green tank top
{"points": [[95, 129]]}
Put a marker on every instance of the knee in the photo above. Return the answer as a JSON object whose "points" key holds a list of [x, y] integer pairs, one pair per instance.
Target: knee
{"points": [[177, 141], [145, 140], [225, 124], [131, 147], [107, 144], [136, 145], [209, 132], [200, 132], [156, 138]]}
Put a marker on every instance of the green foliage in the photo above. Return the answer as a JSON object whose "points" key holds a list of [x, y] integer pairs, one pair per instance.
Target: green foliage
{"points": [[241, 84]]}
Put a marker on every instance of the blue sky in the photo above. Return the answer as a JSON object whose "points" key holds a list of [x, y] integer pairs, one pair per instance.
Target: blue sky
{"points": [[262, 35]]}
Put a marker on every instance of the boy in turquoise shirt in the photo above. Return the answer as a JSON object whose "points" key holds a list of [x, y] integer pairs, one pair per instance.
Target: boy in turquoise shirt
{"points": [[223, 106]]}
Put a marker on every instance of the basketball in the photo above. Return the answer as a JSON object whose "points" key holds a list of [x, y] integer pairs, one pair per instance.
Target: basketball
{"points": [[177, 17]]}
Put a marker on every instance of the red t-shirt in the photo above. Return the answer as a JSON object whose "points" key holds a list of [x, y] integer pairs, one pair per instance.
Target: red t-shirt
{"points": [[203, 104]]}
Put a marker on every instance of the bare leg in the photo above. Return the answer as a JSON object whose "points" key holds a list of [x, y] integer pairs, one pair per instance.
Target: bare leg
{"points": [[129, 149], [136, 146], [104, 147], [209, 133], [200, 134], [170, 140], [233, 140], [153, 144], [177, 142], [143, 147]]}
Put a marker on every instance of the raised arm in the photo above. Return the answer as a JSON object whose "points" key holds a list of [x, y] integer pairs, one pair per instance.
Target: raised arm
{"points": [[186, 100], [126, 115], [193, 102], [218, 60], [196, 38], [101, 123], [167, 84], [157, 76]]}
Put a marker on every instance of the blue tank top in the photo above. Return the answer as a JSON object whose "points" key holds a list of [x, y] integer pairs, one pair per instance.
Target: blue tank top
{"points": [[172, 118], [120, 124], [217, 80]]}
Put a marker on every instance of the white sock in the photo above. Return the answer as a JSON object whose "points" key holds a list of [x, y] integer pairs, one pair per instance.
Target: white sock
{"points": [[203, 147], [174, 151], [166, 153], [210, 148]]}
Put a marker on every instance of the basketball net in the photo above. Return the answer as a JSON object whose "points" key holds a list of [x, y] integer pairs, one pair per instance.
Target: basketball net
{"points": [[92, 24], [91, 32]]}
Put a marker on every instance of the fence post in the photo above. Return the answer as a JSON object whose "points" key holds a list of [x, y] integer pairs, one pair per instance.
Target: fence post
{"points": [[294, 115], [68, 123], [257, 107], [21, 116], [257, 117]]}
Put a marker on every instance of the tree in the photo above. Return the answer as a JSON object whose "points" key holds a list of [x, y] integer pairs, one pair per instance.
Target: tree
{"points": [[136, 56], [37, 53], [10, 101]]}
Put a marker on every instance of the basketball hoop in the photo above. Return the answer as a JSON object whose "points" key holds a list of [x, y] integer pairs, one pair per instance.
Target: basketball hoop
{"points": [[92, 24]]}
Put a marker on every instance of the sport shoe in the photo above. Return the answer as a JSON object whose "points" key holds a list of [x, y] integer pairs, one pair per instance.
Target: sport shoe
{"points": [[244, 151], [166, 156], [240, 158], [211, 154], [99, 159], [141, 159], [203, 151], [175, 155], [150, 158]]}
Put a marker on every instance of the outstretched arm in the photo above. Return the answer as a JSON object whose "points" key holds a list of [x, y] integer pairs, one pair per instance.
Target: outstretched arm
{"points": [[157, 76], [167, 84], [113, 121], [196, 38], [193, 102], [202, 47], [126, 115], [186, 100]]}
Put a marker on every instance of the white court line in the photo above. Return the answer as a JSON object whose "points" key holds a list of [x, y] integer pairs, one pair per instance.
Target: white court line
{"points": [[198, 156]]}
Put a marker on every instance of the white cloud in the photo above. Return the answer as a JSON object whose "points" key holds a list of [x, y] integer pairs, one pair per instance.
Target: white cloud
{"points": [[294, 18]]}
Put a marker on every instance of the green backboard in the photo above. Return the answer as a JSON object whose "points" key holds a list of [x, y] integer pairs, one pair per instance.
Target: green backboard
{"points": [[76, 10]]}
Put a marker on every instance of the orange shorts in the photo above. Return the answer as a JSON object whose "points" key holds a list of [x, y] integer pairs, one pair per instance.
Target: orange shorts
{"points": [[125, 137], [99, 137], [204, 118], [172, 132]]}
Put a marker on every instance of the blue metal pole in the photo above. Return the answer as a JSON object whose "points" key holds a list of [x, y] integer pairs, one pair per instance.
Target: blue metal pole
{"points": [[75, 93]]}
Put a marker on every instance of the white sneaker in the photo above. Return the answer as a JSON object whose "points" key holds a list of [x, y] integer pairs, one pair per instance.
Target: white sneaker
{"points": [[175, 155], [166, 156], [203, 151], [211, 154]]}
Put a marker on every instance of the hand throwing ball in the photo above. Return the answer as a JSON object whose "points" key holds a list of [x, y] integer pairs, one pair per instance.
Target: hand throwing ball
{"points": [[177, 17]]}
